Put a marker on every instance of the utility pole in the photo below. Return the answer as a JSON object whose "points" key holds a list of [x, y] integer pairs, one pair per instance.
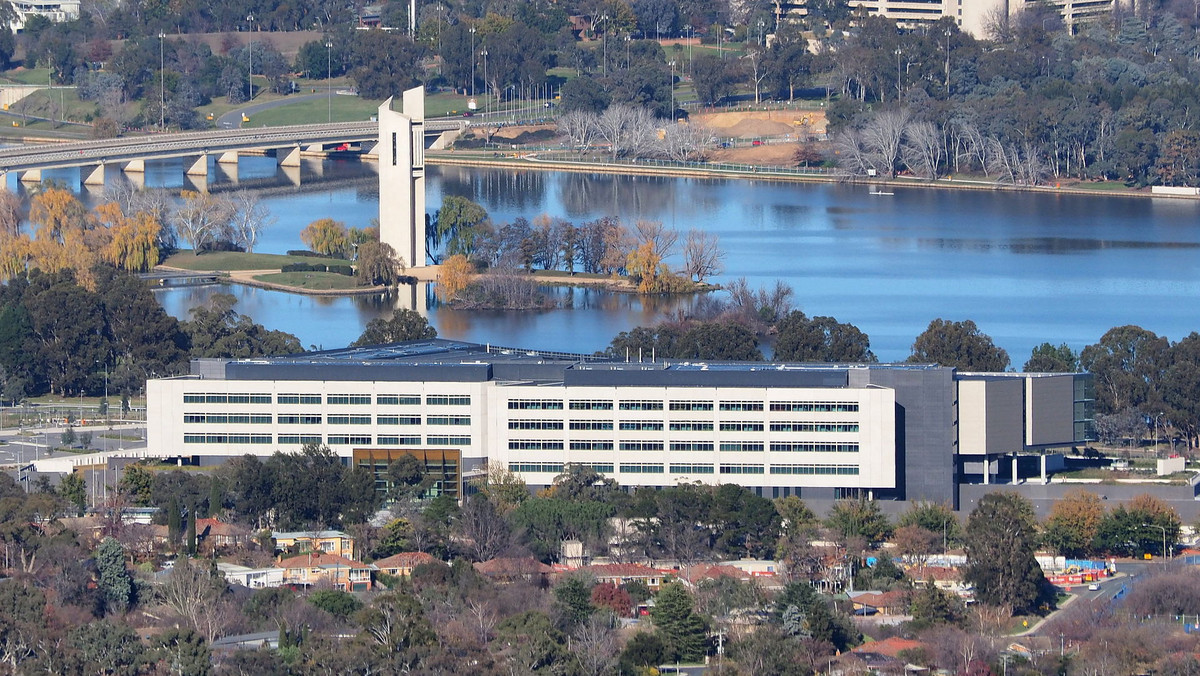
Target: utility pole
{"points": [[472, 31], [162, 82], [328, 77], [250, 51]]}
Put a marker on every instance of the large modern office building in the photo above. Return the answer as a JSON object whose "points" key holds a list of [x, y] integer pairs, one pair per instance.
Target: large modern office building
{"points": [[972, 16], [820, 431]]}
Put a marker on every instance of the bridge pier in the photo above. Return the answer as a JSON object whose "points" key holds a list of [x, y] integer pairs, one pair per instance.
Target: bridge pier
{"points": [[292, 173], [227, 172], [199, 167], [31, 176], [93, 177], [134, 167], [230, 157], [195, 183], [290, 159], [136, 178]]}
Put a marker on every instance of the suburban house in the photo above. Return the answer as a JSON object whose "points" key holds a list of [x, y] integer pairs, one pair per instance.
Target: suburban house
{"points": [[325, 541], [884, 603], [217, 534], [254, 578], [512, 570], [402, 564], [339, 571], [622, 573]]}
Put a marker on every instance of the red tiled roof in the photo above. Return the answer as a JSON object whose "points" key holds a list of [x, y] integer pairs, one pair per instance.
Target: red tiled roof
{"points": [[891, 647], [704, 571], [891, 599], [215, 527], [935, 572], [623, 570], [508, 567], [317, 560], [405, 560]]}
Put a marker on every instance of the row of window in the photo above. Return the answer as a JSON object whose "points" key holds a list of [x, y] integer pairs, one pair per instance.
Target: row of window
{"points": [[333, 399], [315, 419], [332, 439], [230, 418], [726, 446], [658, 468], [653, 405], [681, 426]]}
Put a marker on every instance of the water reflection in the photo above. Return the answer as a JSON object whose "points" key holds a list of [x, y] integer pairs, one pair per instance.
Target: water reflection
{"points": [[1026, 267], [586, 319]]}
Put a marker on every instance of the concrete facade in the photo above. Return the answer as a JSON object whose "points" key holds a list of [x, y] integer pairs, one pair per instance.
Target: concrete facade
{"points": [[401, 153], [972, 16], [819, 431]]}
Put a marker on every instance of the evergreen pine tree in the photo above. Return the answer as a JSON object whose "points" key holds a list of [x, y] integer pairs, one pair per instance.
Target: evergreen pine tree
{"points": [[675, 620], [115, 582], [174, 523], [191, 531]]}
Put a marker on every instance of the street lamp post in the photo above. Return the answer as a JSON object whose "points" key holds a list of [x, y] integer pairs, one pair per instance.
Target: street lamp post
{"points": [[328, 77], [628, 39], [162, 81], [250, 52], [604, 45], [898, 90], [948, 34], [472, 32], [1156, 417], [671, 85], [760, 32], [485, 80]]}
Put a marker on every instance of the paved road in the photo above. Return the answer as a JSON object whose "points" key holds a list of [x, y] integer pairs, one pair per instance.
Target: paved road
{"points": [[24, 448], [233, 119]]}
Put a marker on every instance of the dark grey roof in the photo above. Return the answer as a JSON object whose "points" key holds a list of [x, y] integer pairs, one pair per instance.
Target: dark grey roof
{"points": [[456, 361]]}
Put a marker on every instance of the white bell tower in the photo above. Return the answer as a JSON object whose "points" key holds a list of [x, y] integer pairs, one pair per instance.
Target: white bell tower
{"points": [[401, 153]]}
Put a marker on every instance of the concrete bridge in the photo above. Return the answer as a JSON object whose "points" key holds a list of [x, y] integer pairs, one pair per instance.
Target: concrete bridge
{"points": [[130, 154]]}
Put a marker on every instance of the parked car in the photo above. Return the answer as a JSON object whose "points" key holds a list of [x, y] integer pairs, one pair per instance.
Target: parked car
{"points": [[1095, 586]]}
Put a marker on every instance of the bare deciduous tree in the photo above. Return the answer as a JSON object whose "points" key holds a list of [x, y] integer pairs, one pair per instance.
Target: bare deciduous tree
{"points": [[626, 130], [684, 142], [195, 595], [485, 528], [702, 254], [579, 126], [923, 149], [882, 136], [248, 219], [202, 218], [661, 239], [596, 644]]}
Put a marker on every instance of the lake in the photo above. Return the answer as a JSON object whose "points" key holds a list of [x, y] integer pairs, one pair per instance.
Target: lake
{"points": [[1027, 268]]}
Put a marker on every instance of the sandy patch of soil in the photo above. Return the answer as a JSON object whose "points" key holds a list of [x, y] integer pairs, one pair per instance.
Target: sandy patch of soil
{"points": [[763, 123], [769, 154]]}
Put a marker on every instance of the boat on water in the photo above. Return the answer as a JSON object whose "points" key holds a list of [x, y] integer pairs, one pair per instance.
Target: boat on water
{"points": [[876, 191]]}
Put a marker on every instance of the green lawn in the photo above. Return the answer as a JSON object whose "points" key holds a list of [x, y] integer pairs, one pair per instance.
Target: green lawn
{"points": [[1102, 186], [27, 75], [349, 108], [577, 275], [316, 281], [236, 260]]}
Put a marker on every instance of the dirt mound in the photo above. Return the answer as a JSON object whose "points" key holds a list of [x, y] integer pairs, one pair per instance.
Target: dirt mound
{"points": [[757, 128], [762, 123], [771, 154]]}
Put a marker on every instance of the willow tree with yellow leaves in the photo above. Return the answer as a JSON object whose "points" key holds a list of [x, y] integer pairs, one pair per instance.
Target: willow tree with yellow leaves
{"points": [[133, 240]]}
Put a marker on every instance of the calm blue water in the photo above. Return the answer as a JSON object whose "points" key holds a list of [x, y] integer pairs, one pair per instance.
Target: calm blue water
{"points": [[1027, 268]]}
